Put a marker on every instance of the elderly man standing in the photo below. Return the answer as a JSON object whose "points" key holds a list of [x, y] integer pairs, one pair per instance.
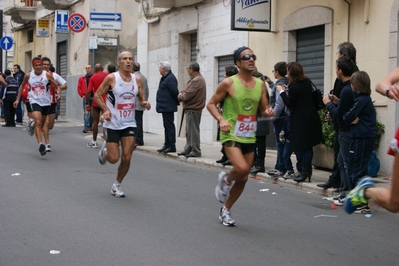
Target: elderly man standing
{"points": [[193, 99], [167, 103]]}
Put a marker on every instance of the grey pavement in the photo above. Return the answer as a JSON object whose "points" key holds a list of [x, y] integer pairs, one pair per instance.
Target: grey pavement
{"points": [[211, 153]]}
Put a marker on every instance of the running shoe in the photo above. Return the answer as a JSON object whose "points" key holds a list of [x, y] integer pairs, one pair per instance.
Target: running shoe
{"points": [[42, 149], [272, 172], [117, 192], [356, 197], [31, 127], [102, 158], [289, 174], [222, 188], [225, 217], [365, 209], [48, 148], [339, 202], [92, 144]]}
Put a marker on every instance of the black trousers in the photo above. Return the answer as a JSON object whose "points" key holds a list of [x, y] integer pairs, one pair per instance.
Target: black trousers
{"points": [[139, 131], [9, 113], [170, 129]]}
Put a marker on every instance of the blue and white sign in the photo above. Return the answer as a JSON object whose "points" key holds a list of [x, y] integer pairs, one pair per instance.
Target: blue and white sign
{"points": [[6, 43], [61, 17], [101, 16]]}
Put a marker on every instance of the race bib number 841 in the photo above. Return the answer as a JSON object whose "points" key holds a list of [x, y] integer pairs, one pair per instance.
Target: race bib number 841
{"points": [[245, 126]]}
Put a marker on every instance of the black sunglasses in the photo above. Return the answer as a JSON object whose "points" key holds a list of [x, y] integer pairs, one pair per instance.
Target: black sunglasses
{"points": [[247, 57]]}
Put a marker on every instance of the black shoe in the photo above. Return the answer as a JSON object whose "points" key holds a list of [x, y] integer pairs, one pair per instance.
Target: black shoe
{"points": [[162, 149], [222, 160], [329, 184], [226, 163], [169, 150], [257, 169], [190, 155], [181, 153]]}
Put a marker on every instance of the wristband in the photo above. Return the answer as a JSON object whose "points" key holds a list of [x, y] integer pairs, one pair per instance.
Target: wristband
{"points": [[387, 91]]}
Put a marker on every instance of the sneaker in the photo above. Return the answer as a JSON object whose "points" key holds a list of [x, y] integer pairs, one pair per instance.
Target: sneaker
{"points": [[277, 174], [31, 127], [356, 197], [42, 149], [117, 192], [339, 202], [341, 195], [289, 174], [365, 209], [92, 144], [222, 189], [48, 148], [225, 217], [102, 158], [272, 172]]}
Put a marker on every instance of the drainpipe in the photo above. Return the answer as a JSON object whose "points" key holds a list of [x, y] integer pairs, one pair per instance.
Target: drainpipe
{"points": [[349, 17]]}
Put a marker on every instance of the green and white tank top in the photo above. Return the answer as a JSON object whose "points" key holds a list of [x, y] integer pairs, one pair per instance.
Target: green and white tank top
{"points": [[240, 111]]}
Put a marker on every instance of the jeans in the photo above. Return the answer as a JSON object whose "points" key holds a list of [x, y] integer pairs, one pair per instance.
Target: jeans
{"points": [[287, 155], [277, 127], [19, 111], [170, 129], [87, 116], [343, 159]]}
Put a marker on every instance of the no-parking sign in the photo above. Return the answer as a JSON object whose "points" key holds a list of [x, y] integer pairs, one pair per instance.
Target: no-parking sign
{"points": [[76, 22]]}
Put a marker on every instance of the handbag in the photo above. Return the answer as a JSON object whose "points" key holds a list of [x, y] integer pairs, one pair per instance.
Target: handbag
{"points": [[317, 96]]}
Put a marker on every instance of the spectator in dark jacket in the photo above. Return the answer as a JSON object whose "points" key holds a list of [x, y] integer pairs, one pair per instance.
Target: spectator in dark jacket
{"points": [[8, 94], [167, 103]]}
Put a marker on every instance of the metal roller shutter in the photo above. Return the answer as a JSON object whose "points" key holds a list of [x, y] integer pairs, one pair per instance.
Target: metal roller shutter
{"points": [[310, 53]]}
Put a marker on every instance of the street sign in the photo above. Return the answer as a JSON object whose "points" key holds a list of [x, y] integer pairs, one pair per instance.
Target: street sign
{"points": [[101, 16], [107, 41], [93, 42], [6, 43], [43, 27], [76, 22], [105, 25], [61, 17]]}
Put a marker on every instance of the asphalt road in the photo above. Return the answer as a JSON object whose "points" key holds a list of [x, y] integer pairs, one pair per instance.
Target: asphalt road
{"points": [[62, 201]]}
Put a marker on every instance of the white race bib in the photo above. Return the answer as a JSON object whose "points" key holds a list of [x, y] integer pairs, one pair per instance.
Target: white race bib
{"points": [[245, 126]]}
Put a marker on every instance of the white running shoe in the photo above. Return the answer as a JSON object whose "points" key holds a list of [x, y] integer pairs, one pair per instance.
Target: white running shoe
{"points": [[42, 149], [102, 158], [92, 144], [31, 127], [225, 217], [48, 148], [222, 189], [117, 192]]}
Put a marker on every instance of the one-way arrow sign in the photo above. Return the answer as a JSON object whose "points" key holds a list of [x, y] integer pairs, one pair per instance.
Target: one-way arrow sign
{"points": [[105, 16], [6, 43]]}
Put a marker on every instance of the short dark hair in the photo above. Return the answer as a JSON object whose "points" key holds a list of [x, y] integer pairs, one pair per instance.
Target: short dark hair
{"points": [[136, 66], [347, 49], [259, 75], [194, 66], [231, 70], [52, 68], [46, 59], [18, 66], [111, 68], [7, 72], [360, 82], [346, 65], [281, 68]]}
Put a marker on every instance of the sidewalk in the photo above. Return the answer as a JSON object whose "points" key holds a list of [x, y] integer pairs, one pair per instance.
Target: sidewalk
{"points": [[211, 153]]}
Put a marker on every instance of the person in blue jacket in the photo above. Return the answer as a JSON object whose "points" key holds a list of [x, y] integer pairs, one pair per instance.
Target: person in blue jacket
{"points": [[167, 103]]}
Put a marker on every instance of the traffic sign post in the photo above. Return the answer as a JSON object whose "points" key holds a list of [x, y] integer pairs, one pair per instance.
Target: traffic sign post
{"points": [[61, 17], [6, 43], [105, 21], [76, 22]]}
